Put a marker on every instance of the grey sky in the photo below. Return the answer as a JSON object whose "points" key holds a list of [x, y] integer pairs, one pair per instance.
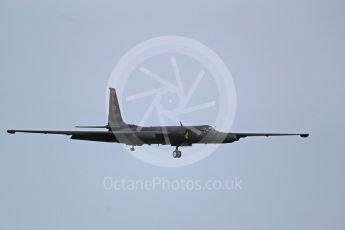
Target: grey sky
{"points": [[288, 63]]}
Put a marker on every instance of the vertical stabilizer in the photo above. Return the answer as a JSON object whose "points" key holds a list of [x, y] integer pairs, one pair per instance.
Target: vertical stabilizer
{"points": [[114, 117]]}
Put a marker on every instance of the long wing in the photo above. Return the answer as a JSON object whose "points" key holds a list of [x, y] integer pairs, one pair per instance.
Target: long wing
{"points": [[242, 135], [13, 131], [102, 136]]}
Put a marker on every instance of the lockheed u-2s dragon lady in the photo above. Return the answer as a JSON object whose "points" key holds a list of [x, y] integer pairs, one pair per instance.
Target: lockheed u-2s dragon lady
{"points": [[120, 132]]}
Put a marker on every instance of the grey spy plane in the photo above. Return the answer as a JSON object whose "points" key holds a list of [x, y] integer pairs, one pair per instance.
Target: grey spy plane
{"points": [[120, 132]]}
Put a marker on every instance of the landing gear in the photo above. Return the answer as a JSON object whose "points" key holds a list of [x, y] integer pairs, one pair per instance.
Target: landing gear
{"points": [[177, 153], [132, 148]]}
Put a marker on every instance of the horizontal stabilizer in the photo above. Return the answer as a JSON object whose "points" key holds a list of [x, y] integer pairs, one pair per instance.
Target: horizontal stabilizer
{"points": [[93, 127]]}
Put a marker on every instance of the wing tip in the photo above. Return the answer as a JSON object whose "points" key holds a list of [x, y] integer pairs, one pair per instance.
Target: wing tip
{"points": [[11, 131], [304, 135]]}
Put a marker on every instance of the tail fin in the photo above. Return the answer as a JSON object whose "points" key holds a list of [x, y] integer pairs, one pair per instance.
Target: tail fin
{"points": [[114, 117]]}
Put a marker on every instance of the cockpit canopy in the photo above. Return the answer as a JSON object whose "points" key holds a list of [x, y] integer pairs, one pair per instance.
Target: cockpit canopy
{"points": [[206, 128]]}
